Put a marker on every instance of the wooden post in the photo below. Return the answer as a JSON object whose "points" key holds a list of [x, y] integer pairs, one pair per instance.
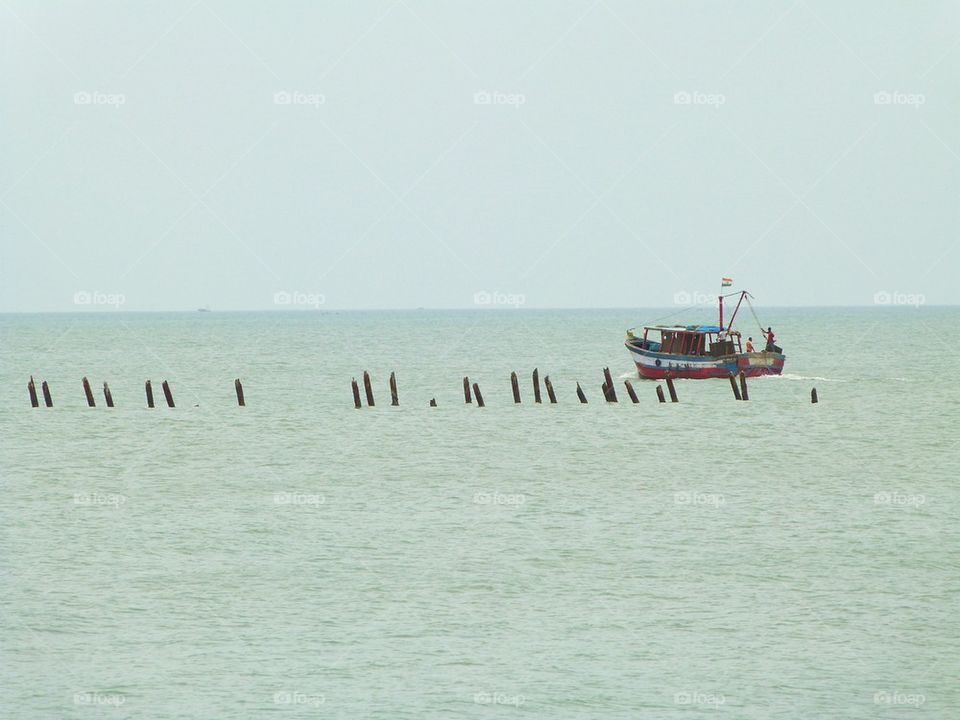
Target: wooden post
{"points": [[47, 399], [660, 396], [466, 390], [149, 388], [32, 389], [743, 386], [536, 385], [733, 385], [583, 398], [368, 388], [550, 393], [356, 394], [167, 394], [813, 396], [516, 387], [476, 393], [611, 393], [671, 389], [88, 392], [107, 395], [394, 399], [433, 402], [631, 392], [238, 386]]}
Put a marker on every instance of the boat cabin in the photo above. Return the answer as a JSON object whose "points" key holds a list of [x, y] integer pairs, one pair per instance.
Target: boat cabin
{"points": [[696, 340]]}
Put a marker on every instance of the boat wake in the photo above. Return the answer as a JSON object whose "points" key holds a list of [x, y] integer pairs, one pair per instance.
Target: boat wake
{"points": [[793, 376]]}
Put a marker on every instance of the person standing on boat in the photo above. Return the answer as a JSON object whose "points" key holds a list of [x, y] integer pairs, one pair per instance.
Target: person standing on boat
{"points": [[749, 344], [769, 339]]}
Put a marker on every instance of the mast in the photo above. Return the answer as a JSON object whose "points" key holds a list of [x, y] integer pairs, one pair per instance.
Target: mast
{"points": [[721, 312]]}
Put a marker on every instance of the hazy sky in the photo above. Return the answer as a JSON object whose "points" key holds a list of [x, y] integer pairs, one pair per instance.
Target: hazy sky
{"points": [[170, 155]]}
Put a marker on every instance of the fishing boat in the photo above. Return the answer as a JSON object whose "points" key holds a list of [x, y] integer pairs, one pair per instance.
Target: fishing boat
{"points": [[703, 351]]}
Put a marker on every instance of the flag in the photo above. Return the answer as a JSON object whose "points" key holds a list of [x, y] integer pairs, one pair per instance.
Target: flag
{"points": [[726, 282]]}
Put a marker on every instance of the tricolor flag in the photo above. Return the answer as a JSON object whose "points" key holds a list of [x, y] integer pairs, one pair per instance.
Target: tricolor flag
{"points": [[726, 282]]}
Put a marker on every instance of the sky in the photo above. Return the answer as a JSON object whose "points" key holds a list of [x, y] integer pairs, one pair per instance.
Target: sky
{"points": [[410, 153]]}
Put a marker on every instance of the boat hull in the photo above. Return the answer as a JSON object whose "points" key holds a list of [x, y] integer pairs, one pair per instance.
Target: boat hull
{"points": [[656, 365]]}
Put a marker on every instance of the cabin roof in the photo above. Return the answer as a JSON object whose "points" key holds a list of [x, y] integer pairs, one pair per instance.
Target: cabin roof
{"points": [[686, 328]]}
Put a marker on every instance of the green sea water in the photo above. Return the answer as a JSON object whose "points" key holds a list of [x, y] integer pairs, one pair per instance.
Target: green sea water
{"points": [[300, 558]]}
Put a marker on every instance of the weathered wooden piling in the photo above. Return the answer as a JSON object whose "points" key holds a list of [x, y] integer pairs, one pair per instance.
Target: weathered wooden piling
{"points": [[107, 395], [813, 396], [368, 388], [671, 389], [167, 394], [733, 386], [536, 385], [32, 389], [89, 393], [238, 386], [433, 402], [660, 396], [47, 399], [476, 394], [516, 387], [611, 393], [148, 386], [743, 386], [550, 394], [394, 398], [356, 394], [466, 390], [583, 398], [631, 392]]}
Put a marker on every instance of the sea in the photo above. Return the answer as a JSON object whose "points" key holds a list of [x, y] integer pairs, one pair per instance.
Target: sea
{"points": [[300, 558]]}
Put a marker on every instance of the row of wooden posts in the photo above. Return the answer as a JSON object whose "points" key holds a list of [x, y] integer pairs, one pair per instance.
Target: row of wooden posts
{"points": [[607, 388]]}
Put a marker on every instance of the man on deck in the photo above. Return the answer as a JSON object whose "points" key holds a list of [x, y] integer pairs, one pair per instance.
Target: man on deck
{"points": [[769, 339], [749, 344]]}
